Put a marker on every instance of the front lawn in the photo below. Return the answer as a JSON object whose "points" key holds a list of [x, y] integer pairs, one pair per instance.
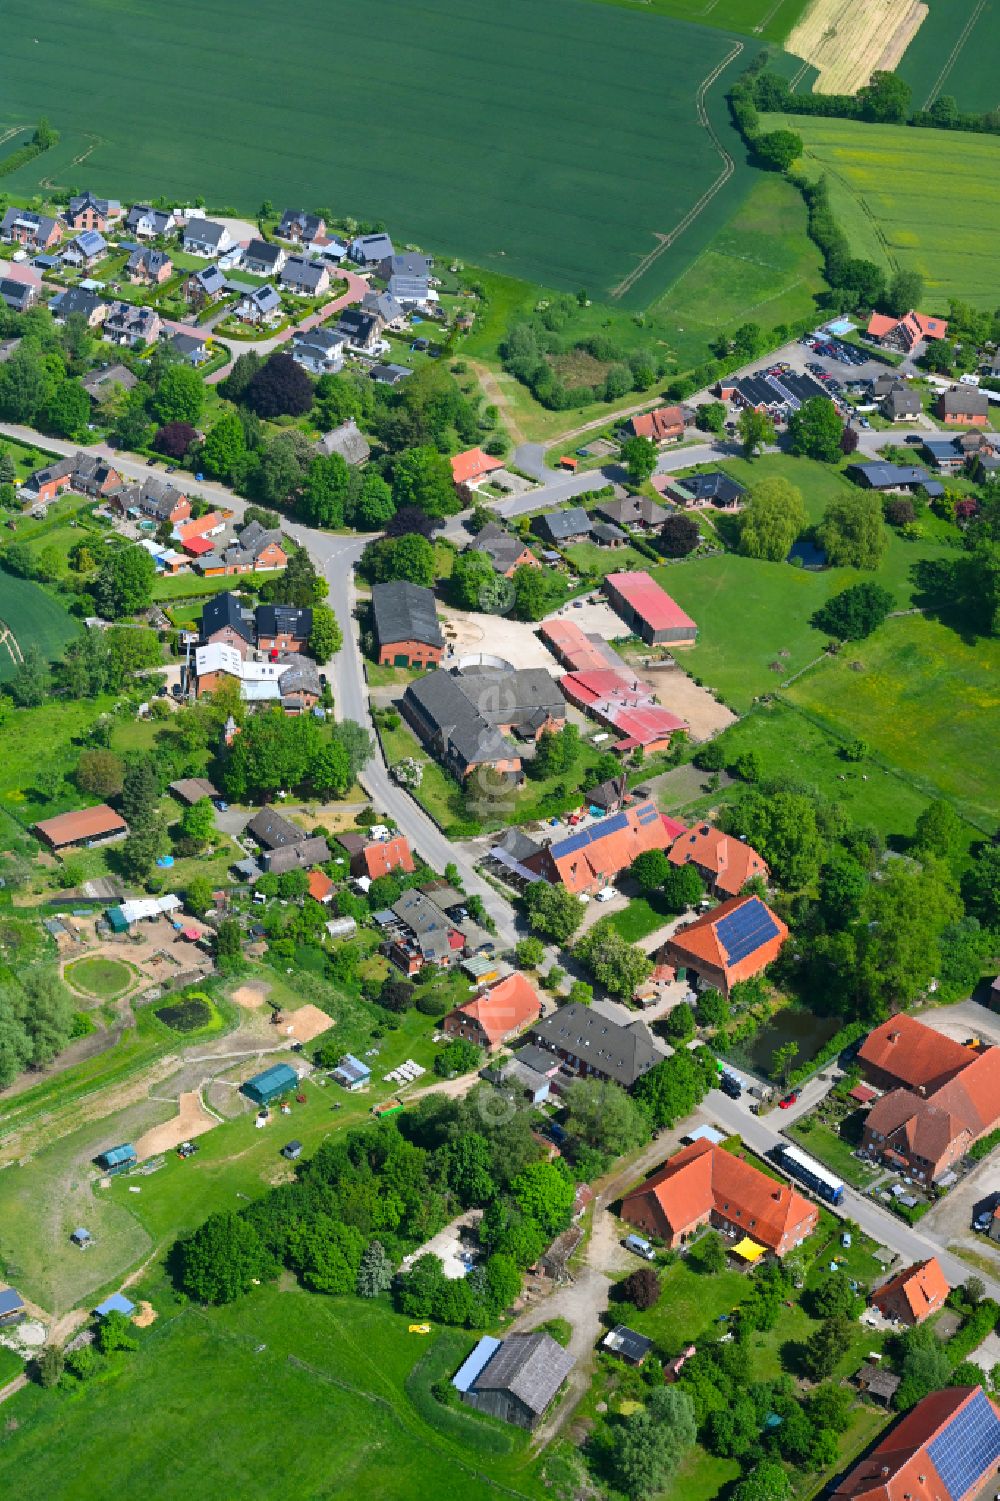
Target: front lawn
{"points": [[823, 1143], [643, 915]]}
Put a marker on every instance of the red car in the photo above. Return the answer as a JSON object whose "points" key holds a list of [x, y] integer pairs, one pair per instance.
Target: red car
{"points": [[788, 1100]]}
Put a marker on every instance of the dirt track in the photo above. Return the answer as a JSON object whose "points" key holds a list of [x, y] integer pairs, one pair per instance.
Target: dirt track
{"points": [[192, 1119]]}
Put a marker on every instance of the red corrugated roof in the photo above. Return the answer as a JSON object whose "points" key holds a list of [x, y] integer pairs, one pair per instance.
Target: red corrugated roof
{"points": [[198, 546], [649, 601], [86, 823]]}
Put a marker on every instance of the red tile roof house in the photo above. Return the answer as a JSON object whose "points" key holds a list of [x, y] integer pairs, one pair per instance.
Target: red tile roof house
{"points": [[904, 1052], [198, 530], [944, 1449], [497, 1016], [648, 610], [725, 864], [45, 484], [591, 858], [733, 942], [320, 885], [913, 1294], [665, 425], [88, 826], [473, 465], [906, 332], [929, 1127], [382, 857], [705, 1185]]}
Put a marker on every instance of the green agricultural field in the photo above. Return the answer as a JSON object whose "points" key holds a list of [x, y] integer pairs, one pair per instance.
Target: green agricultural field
{"points": [[30, 617], [924, 698], [760, 267], [771, 20], [345, 1382], [566, 200], [955, 52], [925, 200]]}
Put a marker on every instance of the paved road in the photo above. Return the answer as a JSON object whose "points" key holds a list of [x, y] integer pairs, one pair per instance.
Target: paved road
{"points": [[762, 1133], [357, 286]]}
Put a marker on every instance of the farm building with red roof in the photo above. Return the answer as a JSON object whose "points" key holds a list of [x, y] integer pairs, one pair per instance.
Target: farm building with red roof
{"points": [[471, 465], [913, 1294], [733, 942], [946, 1448], [87, 826], [591, 858], [704, 1184], [725, 864], [648, 610]]}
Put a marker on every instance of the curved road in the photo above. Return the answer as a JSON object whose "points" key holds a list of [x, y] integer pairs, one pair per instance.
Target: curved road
{"points": [[357, 286], [334, 555]]}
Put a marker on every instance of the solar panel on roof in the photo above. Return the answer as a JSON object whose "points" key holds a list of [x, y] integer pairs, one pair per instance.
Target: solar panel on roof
{"points": [[968, 1447], [646, 814], [745, 930], [580, 840]]}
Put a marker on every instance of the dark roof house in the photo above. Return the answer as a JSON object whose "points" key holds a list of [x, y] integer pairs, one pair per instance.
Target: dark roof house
{"points": [[590, 1044], [520, 1378]]}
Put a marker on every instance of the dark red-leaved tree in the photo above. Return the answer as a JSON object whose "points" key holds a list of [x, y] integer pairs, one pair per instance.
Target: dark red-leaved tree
{"points": [[412, 519], [174, 439], [849, 439], [641, 1288], [279, 388], [679, 535]]}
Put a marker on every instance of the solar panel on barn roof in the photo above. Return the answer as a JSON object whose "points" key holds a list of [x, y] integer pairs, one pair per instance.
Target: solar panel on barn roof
{"points": [[744, 931], [968, 1447]]}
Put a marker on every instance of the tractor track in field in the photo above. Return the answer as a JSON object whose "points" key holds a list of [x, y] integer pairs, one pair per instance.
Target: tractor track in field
{"points": [[664, 241], [953, 55]]}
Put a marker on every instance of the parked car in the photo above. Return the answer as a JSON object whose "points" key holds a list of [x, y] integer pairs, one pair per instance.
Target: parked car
{"points": [[982, 1222], [731, 1086], [640, 1246], [607, 894], [914, 439], [221, 804], [789, 1100]]}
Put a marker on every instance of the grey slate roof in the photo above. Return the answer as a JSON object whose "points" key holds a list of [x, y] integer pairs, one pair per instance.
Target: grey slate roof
{"points": [[631, 510], [275, 620], [211, 280], [226, 610], [382, 305], [302, 273], [204, 232], [261, 253], [714, 486], [532, 1367], [966, 401], [150, 261], [348, 440], [503, 548], [18, 295], [607, 532], [368, 250], [74, 300], [297, 224], [98, 383], [882, 476], [312, 851], [405, 612], [465, 735], [901, 402], [273, 832], [561, 526], [623, 1054]]}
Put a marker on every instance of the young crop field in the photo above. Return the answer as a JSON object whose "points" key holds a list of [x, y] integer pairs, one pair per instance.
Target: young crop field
{"points": [[927, 201], [771, 20], [30, 617], [955, 52], [348, 1386], [515, 168]]}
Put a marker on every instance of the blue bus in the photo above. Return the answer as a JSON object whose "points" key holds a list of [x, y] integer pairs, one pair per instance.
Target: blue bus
{"points": [[811, 1173]]}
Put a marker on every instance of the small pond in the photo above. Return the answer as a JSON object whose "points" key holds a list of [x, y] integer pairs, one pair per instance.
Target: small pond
{"points": [[792, 1024]]}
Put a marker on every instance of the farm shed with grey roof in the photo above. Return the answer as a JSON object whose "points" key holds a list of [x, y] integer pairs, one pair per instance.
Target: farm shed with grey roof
{"points": [[405, 612], [593, 1045], [521, 1379]]}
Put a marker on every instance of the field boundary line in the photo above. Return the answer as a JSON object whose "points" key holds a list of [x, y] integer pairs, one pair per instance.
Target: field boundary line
{"points": [[729, 167], [953, 55], [767, 16]]}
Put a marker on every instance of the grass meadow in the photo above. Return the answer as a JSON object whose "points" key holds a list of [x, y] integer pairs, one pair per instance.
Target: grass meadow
{"points": [[954, 52], [924, 200], [35, 618], [514, 168], [330, 1394], [927, 700]]}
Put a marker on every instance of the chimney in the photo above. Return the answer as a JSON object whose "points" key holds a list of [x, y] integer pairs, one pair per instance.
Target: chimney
{"points": [[893, 1036]]}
